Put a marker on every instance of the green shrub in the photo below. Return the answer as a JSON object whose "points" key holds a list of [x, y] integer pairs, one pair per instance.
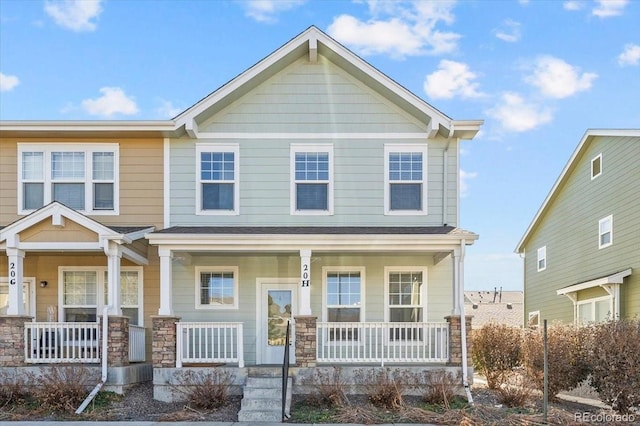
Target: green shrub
{"points": [[567, 353], [496, 352], [206, 389], [615, 363]]}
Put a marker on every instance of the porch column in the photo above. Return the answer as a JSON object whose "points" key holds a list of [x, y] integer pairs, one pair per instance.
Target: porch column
{"points": [[166, 290], [16, 286], [113, 251], [118, 341], [457, 268], [164, 350], [306, 341], [455, 338], [304, 308], [12, 341]]}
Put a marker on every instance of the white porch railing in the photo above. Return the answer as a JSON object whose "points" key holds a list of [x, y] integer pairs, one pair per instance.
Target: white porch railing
{"points": [[137, 350], [209, 342], [401, 342], [62, 342]]}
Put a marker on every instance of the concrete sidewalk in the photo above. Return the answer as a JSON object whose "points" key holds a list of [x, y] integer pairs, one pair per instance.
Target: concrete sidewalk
{"points": [[101, 423]]}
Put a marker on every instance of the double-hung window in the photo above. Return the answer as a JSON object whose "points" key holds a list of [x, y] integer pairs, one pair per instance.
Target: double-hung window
{"points": [[405, 188], [217, 287], [344, 288], [218, 179], [405, 302], [605, 232], [312, 182], [80, 176], [542, 258]]}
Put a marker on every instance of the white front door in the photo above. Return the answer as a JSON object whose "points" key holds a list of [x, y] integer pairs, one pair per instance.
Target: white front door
{"points": [[28, 284], [277, 305]]}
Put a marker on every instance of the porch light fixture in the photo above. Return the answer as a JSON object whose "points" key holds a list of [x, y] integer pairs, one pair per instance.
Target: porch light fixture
{"points": [[43, 284]]}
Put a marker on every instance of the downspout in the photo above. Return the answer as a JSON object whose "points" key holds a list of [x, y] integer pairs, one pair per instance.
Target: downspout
{"points": [[103, 379], [463, 326], [445, 178]]}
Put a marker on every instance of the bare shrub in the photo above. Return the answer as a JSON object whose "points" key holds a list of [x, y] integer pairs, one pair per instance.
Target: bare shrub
{"points": [[614, 361], [568, 367], [515, 392], [329, 388], [63, 389], [440, 387], [384, 387], [496, 352], [206, 389], [14, 388]]}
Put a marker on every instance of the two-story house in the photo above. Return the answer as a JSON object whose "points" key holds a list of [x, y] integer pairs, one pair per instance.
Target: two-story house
{"points": [[310, 190], [582, 249]]}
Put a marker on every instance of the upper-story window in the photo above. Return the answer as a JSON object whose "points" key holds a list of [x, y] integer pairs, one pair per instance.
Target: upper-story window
{"points": [[217, 184], [596, 166], [542, 258], [312, 180], [605, 232], [81, 176], [405, 179]]}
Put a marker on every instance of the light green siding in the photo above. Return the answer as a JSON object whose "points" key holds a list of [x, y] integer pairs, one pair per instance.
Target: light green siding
{"points": [[251, 267], [569, 230]]}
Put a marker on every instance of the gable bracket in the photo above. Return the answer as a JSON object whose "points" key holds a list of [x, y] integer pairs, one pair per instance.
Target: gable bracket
{"points": [[313, 49], [192, 128]]}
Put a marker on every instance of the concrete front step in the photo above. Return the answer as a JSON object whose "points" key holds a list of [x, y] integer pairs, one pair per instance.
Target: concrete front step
{"points": [[267, 404], [264, 382], [260, 416], [262, 399]]}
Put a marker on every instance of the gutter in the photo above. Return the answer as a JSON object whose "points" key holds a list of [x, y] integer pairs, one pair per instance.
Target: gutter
{"points": [[103, 379]]}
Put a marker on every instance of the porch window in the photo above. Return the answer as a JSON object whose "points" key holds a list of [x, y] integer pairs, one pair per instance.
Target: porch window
{"points": [[82, 177], [217, 288], [605, 232], [344, 296], [405, 179], [405, 303], [594, 310], [85, 293], [312, 186], [542, 258], [218, 172]]}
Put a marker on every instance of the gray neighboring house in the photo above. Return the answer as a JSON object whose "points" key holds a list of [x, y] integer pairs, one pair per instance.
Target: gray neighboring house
{"points": [[582, 249]]}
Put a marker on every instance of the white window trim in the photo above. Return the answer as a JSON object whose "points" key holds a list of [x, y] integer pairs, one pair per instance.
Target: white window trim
{"points": [[388, 149], [101, 284], [423, 294], [533, 314], [302, 147], [600, 222], [88, 148], [542, 255], [29, 285], [593, 160], [592, 302], [217, 269], [216, 147], [326, 270]]}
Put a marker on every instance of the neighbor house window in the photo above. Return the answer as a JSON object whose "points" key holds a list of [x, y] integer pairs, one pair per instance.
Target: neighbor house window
{"points": [[596, 166], [217, 288], [80, 176], [405, 179], [85, 293], [605, 232], [344, 288], [218, 172], [405, 301], [312, 183], [542, 258], [594, 310]]}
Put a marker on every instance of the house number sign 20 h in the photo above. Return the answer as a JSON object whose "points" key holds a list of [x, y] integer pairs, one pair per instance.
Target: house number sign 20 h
{"points": [[305, 275]]}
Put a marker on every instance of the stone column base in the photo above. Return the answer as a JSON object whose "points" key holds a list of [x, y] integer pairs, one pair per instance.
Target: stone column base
{"points": [[306, 336]]}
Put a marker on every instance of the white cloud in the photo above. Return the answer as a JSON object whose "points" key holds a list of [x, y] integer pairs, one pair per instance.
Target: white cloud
{"points": [[8, 82], [630, 55], [266, 10], [557, 79], [573, 5], [464, 182], [113, 101], [514, 114], [510, 31], [76, 15], [609, 8], [451, 79], [167, 110], [398, 29]]}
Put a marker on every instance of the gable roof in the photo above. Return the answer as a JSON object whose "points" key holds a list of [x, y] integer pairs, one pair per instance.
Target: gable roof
{"points": [[586, 140], [311, 43]]}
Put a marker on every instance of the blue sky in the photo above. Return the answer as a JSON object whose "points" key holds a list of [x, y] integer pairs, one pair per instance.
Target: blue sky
{"points": [[540, 73]]}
